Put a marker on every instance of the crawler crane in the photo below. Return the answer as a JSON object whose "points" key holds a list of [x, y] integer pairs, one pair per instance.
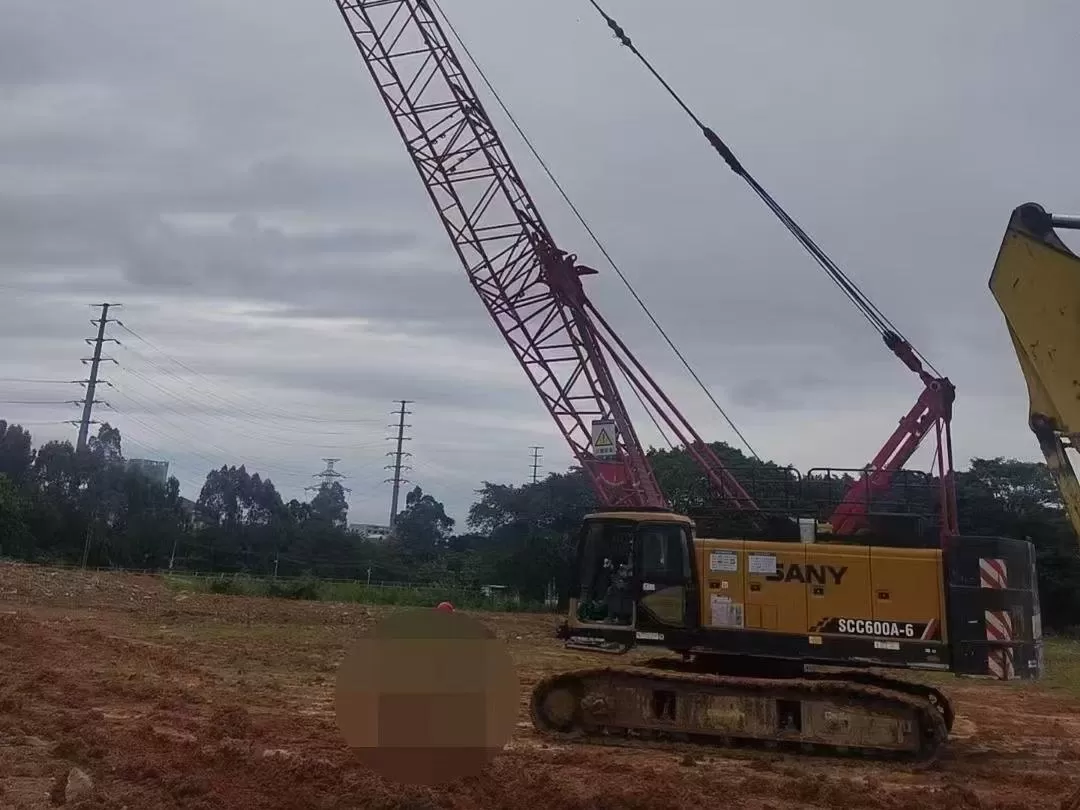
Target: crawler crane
{"points": [[748, 616]]}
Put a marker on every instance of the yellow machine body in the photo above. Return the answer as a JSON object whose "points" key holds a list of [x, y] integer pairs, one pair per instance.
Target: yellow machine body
{"points": [[807, 588], [763, 625]]}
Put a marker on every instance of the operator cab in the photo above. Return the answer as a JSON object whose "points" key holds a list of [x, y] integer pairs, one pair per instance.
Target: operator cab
{"points": [[634, 579]]}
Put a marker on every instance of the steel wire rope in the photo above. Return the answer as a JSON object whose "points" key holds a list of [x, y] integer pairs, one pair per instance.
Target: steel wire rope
{"points": [[156, 450], [168, 408], [596, 240], [165, 434], [862, 302], [272, 467], [231, 409], [253, 403], [21, 423]]}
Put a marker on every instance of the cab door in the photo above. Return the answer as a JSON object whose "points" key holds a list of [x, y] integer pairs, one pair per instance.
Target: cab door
{"points": [[666, 590]]}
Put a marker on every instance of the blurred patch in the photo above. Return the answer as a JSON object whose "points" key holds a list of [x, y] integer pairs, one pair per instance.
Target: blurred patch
{"points": [[427, 697]]}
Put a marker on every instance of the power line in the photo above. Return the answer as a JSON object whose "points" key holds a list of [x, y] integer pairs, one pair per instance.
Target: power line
{"points": [[865, 306], [21, 423], [229, 410], [193, 440], [236, 397], [174, 427], [199, 409]]}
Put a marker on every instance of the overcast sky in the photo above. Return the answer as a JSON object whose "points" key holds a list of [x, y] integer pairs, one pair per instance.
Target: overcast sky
{"points": [[227, 172]]}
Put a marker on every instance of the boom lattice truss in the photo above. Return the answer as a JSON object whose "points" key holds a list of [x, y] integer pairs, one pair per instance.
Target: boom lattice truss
{"points": [[531, 289]]}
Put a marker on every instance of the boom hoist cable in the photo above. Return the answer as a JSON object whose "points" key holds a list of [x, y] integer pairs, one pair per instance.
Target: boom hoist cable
{"points": [[600, 246], [933, 409], [532, 290]]}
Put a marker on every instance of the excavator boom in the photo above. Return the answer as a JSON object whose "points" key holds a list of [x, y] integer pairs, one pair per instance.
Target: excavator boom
{"points": [[1036, 283]]}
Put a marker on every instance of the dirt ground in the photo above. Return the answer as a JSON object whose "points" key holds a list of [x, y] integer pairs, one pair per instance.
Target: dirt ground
{"points": [[177, 700]]}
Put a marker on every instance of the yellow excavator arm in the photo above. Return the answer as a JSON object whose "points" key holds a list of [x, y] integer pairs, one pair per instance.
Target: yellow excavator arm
{"points": [[1036, 283]]}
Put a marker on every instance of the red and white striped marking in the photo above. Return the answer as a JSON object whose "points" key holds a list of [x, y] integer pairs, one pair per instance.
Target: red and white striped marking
{"points": [[993, 573], [931, 629], [1000, 664], [999, 627]]}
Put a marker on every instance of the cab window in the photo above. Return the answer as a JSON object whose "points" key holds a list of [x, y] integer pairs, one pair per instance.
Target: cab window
{"points": [[664, 553]]}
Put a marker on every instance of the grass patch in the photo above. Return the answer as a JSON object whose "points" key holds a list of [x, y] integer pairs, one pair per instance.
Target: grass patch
{"points": [[1062, 665], [310, 588]]}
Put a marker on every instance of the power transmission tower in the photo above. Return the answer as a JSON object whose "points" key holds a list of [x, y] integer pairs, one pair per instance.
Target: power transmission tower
{"points": [[328, 476], [536, 459], [89, 402], [398, 467]]}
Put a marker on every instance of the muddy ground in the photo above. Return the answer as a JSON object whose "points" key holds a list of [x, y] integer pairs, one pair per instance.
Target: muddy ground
{"points": [[181, 700]]}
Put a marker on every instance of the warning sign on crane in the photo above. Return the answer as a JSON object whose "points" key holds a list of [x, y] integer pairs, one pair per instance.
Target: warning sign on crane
{"points": [[603, 439]]}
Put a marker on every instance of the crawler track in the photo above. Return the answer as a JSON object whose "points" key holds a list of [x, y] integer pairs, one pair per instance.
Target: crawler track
{"points": [[845, 714]]}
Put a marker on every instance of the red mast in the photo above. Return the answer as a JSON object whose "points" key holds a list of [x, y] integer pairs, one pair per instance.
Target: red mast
{"points": [[932, 411], [532, 290]]}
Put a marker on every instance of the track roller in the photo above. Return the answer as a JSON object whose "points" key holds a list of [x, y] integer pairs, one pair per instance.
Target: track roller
{"points": [[816, 714]]}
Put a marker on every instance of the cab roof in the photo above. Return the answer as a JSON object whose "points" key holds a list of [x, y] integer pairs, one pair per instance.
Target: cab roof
{"points": [[640, 515]]}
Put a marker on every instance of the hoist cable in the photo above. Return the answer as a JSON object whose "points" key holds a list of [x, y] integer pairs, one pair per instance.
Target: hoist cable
{"points": [[866, 307], [596, 240]]}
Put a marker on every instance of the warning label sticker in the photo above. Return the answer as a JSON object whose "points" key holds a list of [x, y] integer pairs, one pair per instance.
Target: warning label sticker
{"points": [[725, 613], [761, 564], [603, 439], [723, 561]]}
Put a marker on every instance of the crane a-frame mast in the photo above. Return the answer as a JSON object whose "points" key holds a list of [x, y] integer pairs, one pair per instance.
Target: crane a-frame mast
{"points": [[530, 287]]}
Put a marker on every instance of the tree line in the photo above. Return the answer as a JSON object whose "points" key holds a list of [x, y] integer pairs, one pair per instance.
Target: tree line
{"points": [[58, 505]]}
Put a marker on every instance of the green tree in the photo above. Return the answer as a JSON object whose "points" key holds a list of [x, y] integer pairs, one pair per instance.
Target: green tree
{"points": [[423, 526], [105, 446], [329, 505], [243, 521], [531, 530], [1010, 498], [15, 538], [556, 504], [232, 497], [16, 453]]}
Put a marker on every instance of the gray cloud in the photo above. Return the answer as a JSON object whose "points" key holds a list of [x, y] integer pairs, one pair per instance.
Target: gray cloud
{"points": [[228, 172]]}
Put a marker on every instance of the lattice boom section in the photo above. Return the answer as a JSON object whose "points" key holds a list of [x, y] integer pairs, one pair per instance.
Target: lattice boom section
{"points": [[485, 209]]}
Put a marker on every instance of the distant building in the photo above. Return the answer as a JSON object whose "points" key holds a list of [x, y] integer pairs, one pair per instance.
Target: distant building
{"points": [[156, 471], [370, 531]]}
